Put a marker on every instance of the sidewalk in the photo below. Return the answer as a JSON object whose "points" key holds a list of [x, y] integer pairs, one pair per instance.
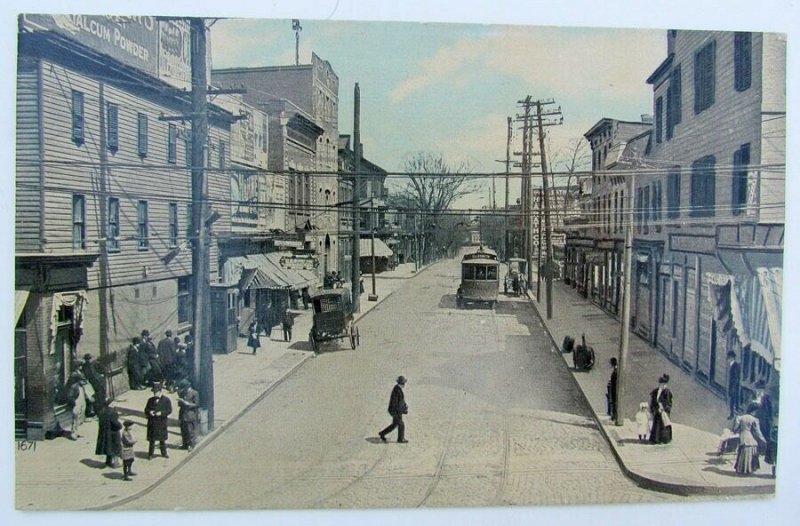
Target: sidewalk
{"points": [[689, 464], [62, 474]]}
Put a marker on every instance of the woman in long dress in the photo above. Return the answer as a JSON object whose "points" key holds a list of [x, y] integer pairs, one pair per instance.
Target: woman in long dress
{"points": [[750, 437], [253, 340], [660, 408]]}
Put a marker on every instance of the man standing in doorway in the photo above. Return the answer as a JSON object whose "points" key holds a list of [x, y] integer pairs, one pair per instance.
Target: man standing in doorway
{"points": [[734, 382], [397, 408]]}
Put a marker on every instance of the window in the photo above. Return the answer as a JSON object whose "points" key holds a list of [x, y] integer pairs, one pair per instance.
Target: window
{"points": [[78, 221], [221, 160], [742, 60], [657, 205], [741, 159], [704, 67], [702, 198], [659, 117], [185, 300], [673, 101], [112, 231], [638, 210], [142, 135], [674, 193], [172, 144], [173, 225], [77, 117], [112, 126], [144, 242]]}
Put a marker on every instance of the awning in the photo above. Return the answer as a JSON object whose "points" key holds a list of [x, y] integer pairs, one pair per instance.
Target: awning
{"points": [[381, 250], [264, 271], [20, 299], [771, 280]]}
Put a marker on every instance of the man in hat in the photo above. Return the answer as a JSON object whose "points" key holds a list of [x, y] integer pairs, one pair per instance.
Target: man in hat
{"points": [[154, 372], [108, 437], [397, 408], [187, 414], [660, 408], [157, 410], [94, 374], [166, 356], [734, 383]]}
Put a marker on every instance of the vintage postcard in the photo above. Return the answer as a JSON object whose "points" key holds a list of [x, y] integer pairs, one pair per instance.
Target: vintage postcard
{"points": [[290, 263]]}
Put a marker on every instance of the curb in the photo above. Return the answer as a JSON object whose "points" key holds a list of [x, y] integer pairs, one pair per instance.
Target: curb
{"points": [[209, 438], [683, 490]]}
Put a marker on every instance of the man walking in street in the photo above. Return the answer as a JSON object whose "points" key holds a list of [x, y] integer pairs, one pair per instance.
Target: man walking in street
{"points": [[157, 410], [288, 323], [734, 381], [397, 408], [187, 414]]}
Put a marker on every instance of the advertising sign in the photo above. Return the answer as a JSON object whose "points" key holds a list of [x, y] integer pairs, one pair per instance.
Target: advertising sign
{"points": [[174, 56], [133, 40]]}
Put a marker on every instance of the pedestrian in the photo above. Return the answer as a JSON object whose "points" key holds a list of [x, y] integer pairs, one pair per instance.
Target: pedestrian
{"points": [[166, 356], [660, 408], [136, 378], [750, 438], [287, 322], [78, 400], [306, 298], [734, 381], [611, 391], [127, 454], [643, 422], [181, 362], [253, 340], [94, 374], [188, 341], [397, 408], [764, 408], [108, 435], [154, 371], [187, 414], [157, 410]]}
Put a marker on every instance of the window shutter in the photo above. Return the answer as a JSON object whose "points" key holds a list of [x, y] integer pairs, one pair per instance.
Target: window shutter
{"points": [[113, 129], [675, 86], [669, 112], [659, 118], [77, 117], [142, 134]]}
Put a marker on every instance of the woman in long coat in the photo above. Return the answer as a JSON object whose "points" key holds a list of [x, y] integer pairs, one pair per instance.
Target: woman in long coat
{"points": [[660, 408], [109, 442], [253, 340], [749, 439]]}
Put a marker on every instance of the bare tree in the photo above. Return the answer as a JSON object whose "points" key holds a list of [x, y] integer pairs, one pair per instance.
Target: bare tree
{"points": [[574, 158], [431, 189]]}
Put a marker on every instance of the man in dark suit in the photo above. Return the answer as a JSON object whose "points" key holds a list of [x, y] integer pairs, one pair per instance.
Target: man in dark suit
{"points": [[157, 410], [611, 391], [734, 382], [397, 408]]}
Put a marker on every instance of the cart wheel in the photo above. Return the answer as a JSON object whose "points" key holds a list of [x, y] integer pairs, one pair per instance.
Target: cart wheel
{"points": [[313, 341], [352, 337]]}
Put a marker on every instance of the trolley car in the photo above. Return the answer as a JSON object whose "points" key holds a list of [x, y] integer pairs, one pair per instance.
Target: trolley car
{"points": [[333, 318], [479, 278]]}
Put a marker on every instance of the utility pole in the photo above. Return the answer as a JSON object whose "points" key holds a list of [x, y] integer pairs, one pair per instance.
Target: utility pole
{"points": [[296, 27], [373, 226], [625, 322], [356, 269], [548, 272], [526, 186], [505, 216], [539, 252], [203, 362]]}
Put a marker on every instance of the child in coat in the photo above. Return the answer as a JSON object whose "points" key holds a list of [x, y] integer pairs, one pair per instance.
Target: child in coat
{"points": [[643, 422], [127, 450]]}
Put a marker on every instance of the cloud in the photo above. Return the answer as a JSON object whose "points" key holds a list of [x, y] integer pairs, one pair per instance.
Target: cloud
{"points": [[563, 62], [241, 43]]}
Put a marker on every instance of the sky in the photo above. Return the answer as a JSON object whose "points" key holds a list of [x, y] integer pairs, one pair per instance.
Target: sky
{"points": [[449, 88]]}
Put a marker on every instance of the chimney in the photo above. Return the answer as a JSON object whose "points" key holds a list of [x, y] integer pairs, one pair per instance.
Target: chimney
{"points": [[647, 119], [671, 36]]}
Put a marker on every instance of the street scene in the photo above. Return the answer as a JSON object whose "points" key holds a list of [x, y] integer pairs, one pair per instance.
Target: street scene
{"points": [[260, 267]]}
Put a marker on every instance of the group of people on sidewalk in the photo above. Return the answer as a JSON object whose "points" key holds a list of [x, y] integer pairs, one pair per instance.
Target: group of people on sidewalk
{"points": [[115, 439], [755, 430], [167, 363], [254, 331]]}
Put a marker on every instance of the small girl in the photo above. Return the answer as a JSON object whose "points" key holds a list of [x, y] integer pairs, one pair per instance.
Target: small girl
{"points": [[643, 422], [127, 450]]}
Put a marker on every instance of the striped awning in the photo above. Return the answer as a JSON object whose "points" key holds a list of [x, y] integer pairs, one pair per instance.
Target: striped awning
{"points": [[381, 250]]}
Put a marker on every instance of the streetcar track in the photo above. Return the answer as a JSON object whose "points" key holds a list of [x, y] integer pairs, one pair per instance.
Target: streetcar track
{"points": [[504, 474], [437, 475], [353, 482]]}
